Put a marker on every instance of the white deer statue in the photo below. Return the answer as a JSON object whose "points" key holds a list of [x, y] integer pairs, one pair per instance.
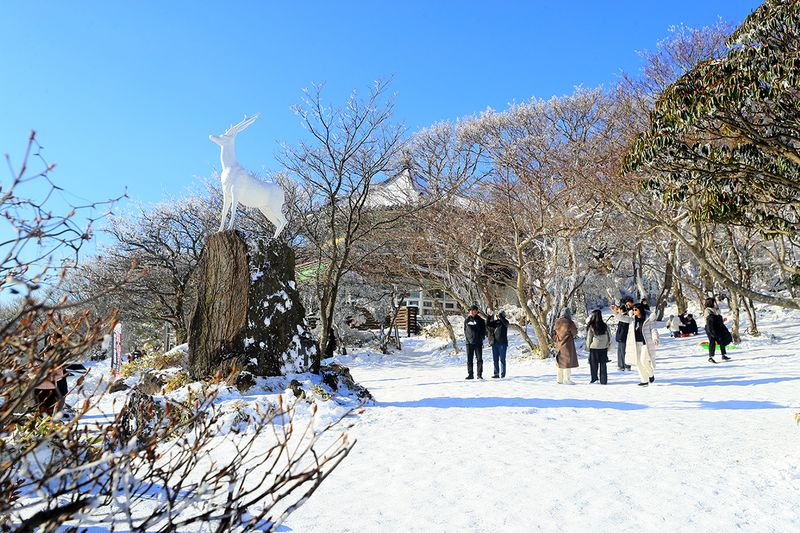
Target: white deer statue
{"points": [[239, 186]]}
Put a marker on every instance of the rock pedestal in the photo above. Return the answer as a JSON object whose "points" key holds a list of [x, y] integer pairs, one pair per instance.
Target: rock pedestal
{"points": [[248, 313], [277, 338]]}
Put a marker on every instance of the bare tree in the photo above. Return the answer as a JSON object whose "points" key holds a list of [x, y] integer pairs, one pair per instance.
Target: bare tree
{"points": [[348, 149], [542, 201], [163, 243]]}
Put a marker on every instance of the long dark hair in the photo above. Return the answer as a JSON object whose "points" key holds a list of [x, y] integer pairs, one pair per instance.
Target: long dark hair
{"points": [[597, 323], [643, 312], [711, 302]]}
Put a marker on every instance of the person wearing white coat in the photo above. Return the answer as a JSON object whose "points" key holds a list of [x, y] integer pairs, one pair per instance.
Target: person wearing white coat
{"points": [[642, 341], [674, 326]]}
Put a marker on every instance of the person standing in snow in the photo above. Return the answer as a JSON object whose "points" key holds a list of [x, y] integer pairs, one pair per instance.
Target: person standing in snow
{"points": [[716, 330], [474, 333], [499, 327], [564, 335], [598, 341], [641, 342], [622, 335]]}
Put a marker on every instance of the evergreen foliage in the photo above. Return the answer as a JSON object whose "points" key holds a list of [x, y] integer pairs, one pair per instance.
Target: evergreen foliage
{"points": [[728, 131]]}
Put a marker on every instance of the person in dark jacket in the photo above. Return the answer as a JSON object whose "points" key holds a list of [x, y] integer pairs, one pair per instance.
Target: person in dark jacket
{"points": [[499, 328], [689, 326], [474, 332], [716, 330], [622, 335]]}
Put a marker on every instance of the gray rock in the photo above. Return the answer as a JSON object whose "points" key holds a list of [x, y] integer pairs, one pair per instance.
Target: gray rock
{"points": [[151, 382], [297, 389], [277, 336], [244, 380], [117, 386], [145, 415], [337, 376]]}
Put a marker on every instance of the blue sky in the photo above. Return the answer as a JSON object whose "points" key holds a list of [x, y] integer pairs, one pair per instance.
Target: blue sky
{"points": [[124, 95]]}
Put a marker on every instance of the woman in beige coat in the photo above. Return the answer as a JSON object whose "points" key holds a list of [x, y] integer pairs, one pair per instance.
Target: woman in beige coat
{"points": [[642, 341], [564, 335]]}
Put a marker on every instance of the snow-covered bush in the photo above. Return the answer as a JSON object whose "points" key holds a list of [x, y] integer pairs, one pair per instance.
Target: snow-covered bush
{"points": [[177, 357]]}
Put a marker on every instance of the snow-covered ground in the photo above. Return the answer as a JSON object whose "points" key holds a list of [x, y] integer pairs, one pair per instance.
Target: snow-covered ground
{"points": [[706, 448]]}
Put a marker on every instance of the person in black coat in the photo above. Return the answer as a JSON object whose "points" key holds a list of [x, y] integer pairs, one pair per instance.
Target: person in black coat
{"points": [[716, 330], [499, 328], [622, 335], [689, 326], [474, 332]]}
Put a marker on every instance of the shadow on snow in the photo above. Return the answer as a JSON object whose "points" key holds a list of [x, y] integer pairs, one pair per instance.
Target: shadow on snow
{"points": [[736, 404], [738, 381], [447, 402]]}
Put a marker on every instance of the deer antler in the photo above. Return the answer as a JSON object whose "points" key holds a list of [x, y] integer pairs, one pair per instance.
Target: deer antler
{"points": [[233, 130]]}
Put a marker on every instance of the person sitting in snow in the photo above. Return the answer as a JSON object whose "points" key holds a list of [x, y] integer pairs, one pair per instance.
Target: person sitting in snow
{"points": [[474, 332], [674, 326], [689, 326]]}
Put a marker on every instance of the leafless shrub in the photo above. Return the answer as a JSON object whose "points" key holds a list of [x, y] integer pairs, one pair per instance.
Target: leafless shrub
{"points": [[101, 465]]}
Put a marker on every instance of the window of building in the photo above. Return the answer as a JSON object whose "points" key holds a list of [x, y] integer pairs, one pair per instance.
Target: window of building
{"points": [[449, 306]]}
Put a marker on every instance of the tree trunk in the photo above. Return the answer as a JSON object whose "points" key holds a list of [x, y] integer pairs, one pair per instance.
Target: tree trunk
{"points": [[523, 332], [220, 313], [663, 297], [735, 311], [751, 315], [638, 273], [326, 312], [523, 303], [248, 314], [181, 335], [437, 304], [542, 339], [178, 325], [680, 297]]}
